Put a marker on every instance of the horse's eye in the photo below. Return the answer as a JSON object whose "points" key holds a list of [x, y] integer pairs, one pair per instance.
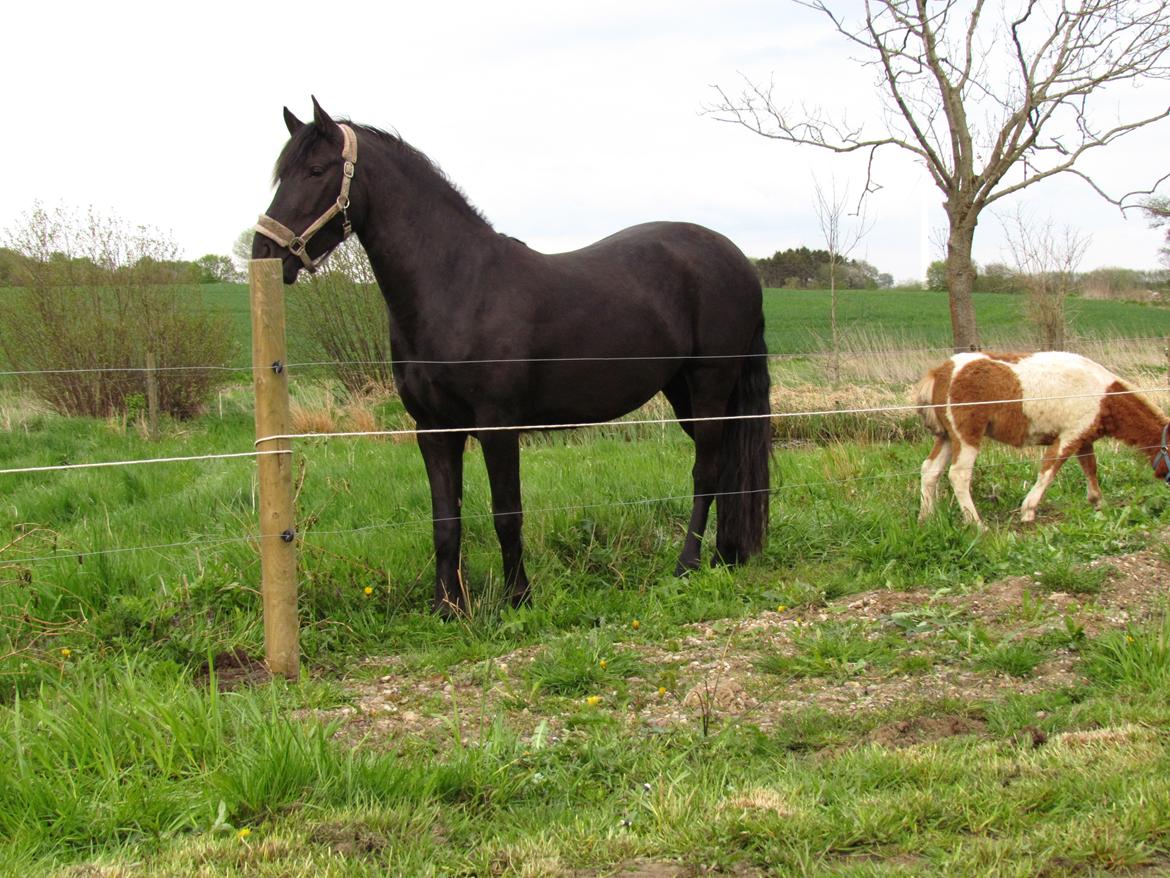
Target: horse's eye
{"points": [[316, 170]]}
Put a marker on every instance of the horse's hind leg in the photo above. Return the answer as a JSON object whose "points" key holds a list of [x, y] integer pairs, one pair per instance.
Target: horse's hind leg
{"points": [[693, 396], [678, 393], [960, 478], [705, 476], [443, 455], [501, 453], [932, 470]]}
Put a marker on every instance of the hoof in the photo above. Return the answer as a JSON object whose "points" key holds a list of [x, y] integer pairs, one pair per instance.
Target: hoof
{"points": [[727, 558]]}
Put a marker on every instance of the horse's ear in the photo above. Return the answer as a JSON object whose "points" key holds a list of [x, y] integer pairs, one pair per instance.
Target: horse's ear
{"points": [[325, 124], [292, 122]]}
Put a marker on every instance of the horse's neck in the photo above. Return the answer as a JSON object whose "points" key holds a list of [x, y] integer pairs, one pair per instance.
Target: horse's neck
{"points": [[1141, 426], [422, 243]]}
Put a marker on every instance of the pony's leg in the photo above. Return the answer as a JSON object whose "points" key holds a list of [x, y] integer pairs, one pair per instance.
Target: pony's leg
{"points": [[443, 455], [960, 477], [932, 470], [501, 453], [1088, 461], [1053, 460]]}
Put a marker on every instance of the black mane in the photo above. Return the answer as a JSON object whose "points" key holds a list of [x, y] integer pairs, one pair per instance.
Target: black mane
{"points": [[421, 168]]}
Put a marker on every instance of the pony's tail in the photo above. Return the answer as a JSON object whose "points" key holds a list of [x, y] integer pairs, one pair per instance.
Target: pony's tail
{"points": [[923, 397], [743, 486]]}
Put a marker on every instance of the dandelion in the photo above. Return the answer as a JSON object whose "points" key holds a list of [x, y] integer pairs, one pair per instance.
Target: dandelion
{"points": [[243, 833], [661, 691], [781, 608], [601, 664], [66, 652], [635, 624], [593, 700], [367, 591]]}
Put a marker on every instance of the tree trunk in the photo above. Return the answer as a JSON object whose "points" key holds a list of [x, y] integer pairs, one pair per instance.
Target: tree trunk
{"points": [[960, 285]]}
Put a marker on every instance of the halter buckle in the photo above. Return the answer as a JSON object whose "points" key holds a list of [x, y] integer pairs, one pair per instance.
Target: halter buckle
{"points": [[1163, 454], [296, 246]]}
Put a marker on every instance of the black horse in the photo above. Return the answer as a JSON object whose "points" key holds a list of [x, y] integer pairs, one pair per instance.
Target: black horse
{"points": [[487, 333]]}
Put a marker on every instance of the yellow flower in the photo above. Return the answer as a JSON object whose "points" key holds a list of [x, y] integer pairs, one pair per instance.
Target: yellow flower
{"points": [[367, 591], [781, 608], [66, 652], [661, 691], [635, 624], [593, 700], [602, 664], [243, 833]]}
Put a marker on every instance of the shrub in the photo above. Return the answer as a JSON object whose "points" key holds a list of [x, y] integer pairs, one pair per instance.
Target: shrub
{"points": [[95, 297], [342, 315]]}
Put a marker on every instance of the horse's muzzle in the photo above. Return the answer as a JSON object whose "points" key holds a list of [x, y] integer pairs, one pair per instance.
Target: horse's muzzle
{"points": [[266, 248]]}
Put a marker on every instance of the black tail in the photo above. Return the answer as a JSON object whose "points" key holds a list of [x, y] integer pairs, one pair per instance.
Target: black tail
{"points": [[742, 503]]}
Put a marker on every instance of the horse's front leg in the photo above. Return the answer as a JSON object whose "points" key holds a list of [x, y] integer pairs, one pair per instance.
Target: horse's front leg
{"points": [[443, 455], [501, 453]]}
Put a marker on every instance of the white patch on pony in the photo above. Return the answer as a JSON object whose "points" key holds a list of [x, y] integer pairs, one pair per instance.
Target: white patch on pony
{"points": [[1062, 393]]}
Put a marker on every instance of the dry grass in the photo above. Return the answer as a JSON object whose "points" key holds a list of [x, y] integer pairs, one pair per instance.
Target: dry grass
{"points": [[19, 410], [323, 408]]}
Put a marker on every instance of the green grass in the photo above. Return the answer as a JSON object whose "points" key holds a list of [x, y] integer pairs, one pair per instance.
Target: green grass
{"points": [[115, 751]]}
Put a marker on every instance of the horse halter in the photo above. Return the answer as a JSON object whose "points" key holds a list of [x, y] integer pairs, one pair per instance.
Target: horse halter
{"points": [[297, 244], [1163, 454]]}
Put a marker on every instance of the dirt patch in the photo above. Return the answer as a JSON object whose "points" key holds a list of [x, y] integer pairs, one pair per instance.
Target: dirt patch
{"points": [[711, 675], [233, 670], [925, 729], [658, 869], [350, 840]]}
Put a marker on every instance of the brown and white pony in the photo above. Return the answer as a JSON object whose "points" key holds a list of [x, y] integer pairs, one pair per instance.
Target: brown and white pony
{"points": [[1060, 400]]}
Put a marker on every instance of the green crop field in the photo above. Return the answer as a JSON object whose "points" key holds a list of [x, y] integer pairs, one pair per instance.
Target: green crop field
{"points": [[870, 697], [798, 320]]}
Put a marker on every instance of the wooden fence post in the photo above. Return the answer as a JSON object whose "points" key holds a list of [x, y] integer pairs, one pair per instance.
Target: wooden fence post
{"points": [[278, 551], [152, 395]]}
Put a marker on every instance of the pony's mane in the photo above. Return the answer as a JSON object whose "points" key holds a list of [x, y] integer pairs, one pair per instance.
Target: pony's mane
{"points": [[419, 165], [1140, 398]]}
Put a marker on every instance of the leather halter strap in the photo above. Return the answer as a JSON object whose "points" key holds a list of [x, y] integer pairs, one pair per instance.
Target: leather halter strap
{"points": [[1163, 453], [298, 244]]}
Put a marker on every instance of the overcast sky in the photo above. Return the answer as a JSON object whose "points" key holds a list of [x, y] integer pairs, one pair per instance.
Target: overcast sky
{"points": [[562, 122]]}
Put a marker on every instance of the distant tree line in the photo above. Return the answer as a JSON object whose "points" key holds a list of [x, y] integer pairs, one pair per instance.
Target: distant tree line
{"points": [[1102, 283], [18, 269], [800, 268]]}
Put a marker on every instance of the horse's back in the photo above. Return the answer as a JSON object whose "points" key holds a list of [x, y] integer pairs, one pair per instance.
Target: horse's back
{"points": [[686, 275], [668, 250]]}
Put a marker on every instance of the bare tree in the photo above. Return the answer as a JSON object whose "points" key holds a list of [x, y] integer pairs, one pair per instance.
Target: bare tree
{"points": [[1046, 260], [1157, 211], [989, 100], [842, 232]]}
